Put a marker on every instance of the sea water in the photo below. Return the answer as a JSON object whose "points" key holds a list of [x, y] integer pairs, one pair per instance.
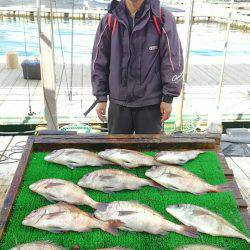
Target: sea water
{"points": [[207, 41]]}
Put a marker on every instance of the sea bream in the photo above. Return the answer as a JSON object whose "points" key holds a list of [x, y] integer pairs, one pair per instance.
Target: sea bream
{"points": [[179, 179], [73, 158], [205, 221], [177, 157], [61, 190], [63, 217], [38, 245], [198, 247], [128, 158], [139, 218], [111, 180]]}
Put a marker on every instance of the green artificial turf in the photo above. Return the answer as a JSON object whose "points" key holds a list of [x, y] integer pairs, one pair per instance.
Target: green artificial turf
{"points": [[205, 166]]}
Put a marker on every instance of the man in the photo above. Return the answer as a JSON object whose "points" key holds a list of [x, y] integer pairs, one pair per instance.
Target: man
{"points": [[137, 61]]}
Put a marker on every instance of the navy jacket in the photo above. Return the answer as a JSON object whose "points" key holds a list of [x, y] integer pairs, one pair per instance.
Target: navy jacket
{"points": [[141, 67]]}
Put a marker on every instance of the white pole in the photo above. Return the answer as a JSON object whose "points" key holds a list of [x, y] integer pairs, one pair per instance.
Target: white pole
{"points": [[48, 70], [188, 22], [221, 79]]}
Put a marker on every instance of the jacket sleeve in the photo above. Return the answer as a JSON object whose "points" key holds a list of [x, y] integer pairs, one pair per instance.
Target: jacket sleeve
{"points": [[171, 59], [100, 61]]}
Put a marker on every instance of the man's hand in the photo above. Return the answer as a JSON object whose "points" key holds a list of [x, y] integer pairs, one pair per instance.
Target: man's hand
{"points": [[101, 110], [166, 109]]}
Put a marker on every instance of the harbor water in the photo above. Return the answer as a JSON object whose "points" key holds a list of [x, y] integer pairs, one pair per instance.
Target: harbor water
{"points": [[206, 46]]}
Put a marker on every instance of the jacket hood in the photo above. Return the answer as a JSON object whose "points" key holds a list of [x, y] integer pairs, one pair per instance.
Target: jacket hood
{"points": [[154, 6]]}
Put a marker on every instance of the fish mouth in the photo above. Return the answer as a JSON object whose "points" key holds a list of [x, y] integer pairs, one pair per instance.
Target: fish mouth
{"points": [[152, 172], [32, 187], [33, 218], [170, 208], [53, 155]]}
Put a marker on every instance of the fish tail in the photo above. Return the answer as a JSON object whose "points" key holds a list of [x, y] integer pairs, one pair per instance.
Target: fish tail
{"points": [[246, 238], [223, 187], [189, 231], [112, 226], [155, 184], [101, 206]]}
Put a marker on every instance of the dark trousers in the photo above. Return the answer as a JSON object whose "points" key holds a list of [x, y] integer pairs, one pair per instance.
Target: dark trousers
{"points": [[124, 120]]}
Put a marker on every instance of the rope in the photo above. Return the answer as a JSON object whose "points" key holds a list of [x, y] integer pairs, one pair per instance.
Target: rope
{"points": [[30, 113], [62, 54], [82, 86], [16, 149], [72, 51]]}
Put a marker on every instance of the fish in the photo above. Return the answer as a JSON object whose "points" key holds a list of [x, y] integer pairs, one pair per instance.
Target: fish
{"points": [[140, 218], [63, 217], [198, 247], [127, 158], [62, 190], [38, 245], [205, 221], [74, 158], [177, 157], [112, 180], [179, 179]]}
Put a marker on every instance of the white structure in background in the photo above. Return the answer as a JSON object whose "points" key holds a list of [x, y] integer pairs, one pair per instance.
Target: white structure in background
{"points": [[46, 41]]}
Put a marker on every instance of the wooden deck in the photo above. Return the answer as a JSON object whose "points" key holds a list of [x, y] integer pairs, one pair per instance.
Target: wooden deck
{"points": [[200, 94]]}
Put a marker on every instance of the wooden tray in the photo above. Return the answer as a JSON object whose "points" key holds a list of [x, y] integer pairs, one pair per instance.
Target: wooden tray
{"points": [[100, 142]]}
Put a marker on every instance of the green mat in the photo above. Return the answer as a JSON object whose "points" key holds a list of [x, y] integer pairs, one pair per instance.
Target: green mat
{"points": [[206, 166]]}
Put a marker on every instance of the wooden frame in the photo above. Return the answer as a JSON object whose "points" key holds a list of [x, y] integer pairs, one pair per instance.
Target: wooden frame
{"points": [[99, 142]]}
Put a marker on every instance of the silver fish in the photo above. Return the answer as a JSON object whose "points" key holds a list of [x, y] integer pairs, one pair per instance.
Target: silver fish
{"points": [[128, 158], [179, 179], [139, 218], [62, 217], [205, 221], [73, 158], [111, 180], [38, 245], [177, 157], [198, 247], [61, 190]]}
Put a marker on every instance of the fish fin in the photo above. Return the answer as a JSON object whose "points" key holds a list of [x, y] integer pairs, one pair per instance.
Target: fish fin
{"points": [[126, 165], [155, 184], [123, 213], [163, 233], [56, 230], [51, 215], [109, 189], [189, 231], [106, 177], [101, 206], [173, 188], [53, 185], [200, 212], [50, 200], [112, 226], [71, 166]]}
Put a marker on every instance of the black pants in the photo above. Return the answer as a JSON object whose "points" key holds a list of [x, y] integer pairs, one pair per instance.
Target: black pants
{"points": [[124, 120]]}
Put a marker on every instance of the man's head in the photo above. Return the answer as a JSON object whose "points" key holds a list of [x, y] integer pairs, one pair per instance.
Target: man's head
{"points": [[135, 1]]}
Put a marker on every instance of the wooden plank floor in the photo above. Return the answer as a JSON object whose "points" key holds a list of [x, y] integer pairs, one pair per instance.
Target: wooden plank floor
{"points": [[200, 93], [11, 147], [241, 169]]}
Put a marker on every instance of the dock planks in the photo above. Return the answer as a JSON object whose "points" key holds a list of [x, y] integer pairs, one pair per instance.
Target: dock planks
{"points": [[240, 167], [8, 168], [200, 93]]}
